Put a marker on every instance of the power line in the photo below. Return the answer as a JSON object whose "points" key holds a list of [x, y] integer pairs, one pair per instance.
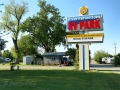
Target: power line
{"points": [[115, 47]]}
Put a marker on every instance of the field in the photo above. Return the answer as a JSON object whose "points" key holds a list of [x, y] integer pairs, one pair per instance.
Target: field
{"points": [[58, 80]]}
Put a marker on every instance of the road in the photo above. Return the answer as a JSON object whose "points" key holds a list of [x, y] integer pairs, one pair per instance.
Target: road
{"points": [[105, 67]]}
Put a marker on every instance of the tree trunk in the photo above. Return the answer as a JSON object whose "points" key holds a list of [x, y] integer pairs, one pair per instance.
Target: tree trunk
{"points": [[16, 49], [47, 49]]}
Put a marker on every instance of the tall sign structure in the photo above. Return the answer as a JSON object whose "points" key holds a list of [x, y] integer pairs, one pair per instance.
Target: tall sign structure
{"points": [[80, 31]]}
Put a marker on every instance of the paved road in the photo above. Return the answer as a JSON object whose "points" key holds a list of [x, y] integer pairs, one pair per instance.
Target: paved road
{"points": [[103, 67]]}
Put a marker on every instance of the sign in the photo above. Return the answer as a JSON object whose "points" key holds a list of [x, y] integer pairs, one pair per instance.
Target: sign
{"points": [[85, 22], [85, 38], [83, 10]]}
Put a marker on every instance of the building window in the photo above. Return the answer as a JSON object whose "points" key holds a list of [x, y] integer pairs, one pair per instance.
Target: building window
{"points": [[53, 58]]}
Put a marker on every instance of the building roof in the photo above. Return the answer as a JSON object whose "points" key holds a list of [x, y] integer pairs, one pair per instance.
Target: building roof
{"points": [[54, 53]]}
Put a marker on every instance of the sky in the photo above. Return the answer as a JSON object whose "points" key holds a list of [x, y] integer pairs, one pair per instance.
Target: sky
{"points": [[111, 16]]}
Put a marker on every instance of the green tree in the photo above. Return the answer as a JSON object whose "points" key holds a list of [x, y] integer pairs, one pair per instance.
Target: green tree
{"points": [[118, 54], [117, 59], [11, 20], [109, 55], [71, 53], [26, 46], [7, 54], [98, 55], [77, 46], [38, 55], [47, 27], [2, 44], [0, 54], [12, 50], [76, 61]]}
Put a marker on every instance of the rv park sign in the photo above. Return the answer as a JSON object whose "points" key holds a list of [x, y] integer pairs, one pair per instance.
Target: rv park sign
{"points": [[87, 24]]}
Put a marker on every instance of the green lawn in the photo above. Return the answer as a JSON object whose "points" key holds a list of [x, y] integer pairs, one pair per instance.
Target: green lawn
{"points": [[58, 80], [8, 64]]}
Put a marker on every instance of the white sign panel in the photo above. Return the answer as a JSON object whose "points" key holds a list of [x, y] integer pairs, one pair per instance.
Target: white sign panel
{"points": [[85, 38]]}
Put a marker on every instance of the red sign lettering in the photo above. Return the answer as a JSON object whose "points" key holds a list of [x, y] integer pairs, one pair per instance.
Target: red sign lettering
{"points": [[97, 23], [81, 24], [92, 24], [75, 25], [70, 24], [88, 24]]}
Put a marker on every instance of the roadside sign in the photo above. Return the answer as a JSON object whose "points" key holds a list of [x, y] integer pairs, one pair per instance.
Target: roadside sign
{"points": [[85, 38]]}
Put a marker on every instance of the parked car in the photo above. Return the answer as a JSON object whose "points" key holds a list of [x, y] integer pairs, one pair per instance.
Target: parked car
{"points": [[7, 60]]}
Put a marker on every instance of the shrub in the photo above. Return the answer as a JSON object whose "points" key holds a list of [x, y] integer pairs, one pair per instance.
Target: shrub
{"points": [[98, 55], [76, 61], [117, 60]]}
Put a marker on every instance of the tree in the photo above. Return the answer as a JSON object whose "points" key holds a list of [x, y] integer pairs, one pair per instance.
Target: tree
{"points": [[11, 20], [26, 46], [76, 61], [46, 28], [14, 55], [77, 46], [118, 54], [71, 53], [98, 55], [38, 55], [7, 54], [117, 59], [109, 55], [2, 44], [0, 54]]}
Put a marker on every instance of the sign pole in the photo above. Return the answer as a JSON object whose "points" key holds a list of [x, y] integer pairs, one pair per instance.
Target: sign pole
{"points": [[83, 48]]}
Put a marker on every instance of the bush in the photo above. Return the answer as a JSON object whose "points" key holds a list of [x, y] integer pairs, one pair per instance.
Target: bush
{"points": [[76, 61], [98, 55], [117, 60]]}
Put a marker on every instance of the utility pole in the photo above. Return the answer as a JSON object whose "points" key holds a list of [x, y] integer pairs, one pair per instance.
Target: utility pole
{"points": [[115, 47]]}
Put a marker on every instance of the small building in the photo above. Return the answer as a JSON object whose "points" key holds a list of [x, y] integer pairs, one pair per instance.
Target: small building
{"points": [[27, 59], [53, 58]]}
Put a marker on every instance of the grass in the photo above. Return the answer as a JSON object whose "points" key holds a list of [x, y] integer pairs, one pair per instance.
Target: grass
{"points": [[8, 64], [58, 80]]}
